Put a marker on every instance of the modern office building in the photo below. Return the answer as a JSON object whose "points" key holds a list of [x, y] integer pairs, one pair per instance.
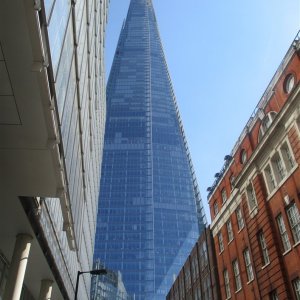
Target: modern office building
{"points": [[150, 211], [255, 199], [52, 118], [108, 287], [198, 278]]}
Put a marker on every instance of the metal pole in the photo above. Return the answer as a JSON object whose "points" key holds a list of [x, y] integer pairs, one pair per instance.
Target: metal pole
{"points": [[92, 272], [77, 283]]}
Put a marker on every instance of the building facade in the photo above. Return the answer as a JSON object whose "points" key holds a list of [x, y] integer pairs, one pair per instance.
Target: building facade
{"points": [[52, 118], [254, 201], [150, 210], [198, 278], [108, 287]]}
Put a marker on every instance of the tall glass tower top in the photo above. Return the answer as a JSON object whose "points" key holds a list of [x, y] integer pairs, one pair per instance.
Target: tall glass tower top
{"points": [[150, 211]]}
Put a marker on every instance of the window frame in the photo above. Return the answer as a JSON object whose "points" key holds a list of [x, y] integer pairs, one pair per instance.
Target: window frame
{"points": [[237, 275], [266, 123], [230, 234], [216, 208], [264, 249], [296, 234], [270, 178], [187, 277], [231, 180], [243, 156], [274, 295], [224, 195], [203, 256], [198, 293], [195, 268], [240, 218], [286, 83], [296, 287], [288, 157], [227, 283], [285, 241], [251, 197], [221, 242], [278, 167], [248, 264]]}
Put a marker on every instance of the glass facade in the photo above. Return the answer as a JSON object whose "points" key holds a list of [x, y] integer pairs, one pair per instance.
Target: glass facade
{"points": [[150, 211], [76, 35], [109, 286]]}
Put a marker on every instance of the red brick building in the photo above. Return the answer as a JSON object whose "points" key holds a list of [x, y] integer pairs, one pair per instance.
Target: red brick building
{"points": [[254, 201], [198, 279]]}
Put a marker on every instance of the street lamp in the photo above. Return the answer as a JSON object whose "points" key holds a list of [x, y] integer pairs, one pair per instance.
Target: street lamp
{"points": [[92, 272]]}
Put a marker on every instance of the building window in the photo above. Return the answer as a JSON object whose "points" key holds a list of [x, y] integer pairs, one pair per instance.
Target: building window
{"points": [[283, 233], [266, 123], [221, 243], [193, 270], [224, 196], [270, 178], [249, 269], [216, 209], [196, 269], [264, 249], [274, 295], [294, 219], [240, 219], [203, 256], [229, 231], [206, 288], [296, 286], [181, 287], [231, 179], [251, 197], [279, 168], [281, 163], [237, 277], [289, 83], [243, 156], [287, 157], [187, 278], [198, 294], [226, 284]]}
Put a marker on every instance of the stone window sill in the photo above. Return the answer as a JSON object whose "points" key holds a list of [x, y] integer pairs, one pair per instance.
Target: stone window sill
{"points": [[287, 251], [297, 244], [230, 242], [264, 266], [241, 229]]}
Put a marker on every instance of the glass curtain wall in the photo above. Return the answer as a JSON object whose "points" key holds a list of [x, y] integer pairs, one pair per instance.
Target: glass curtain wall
{"points": [[148, 220]]}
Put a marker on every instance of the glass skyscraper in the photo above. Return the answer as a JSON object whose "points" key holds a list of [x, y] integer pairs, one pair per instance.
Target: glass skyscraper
{"points": [[150, 211]]}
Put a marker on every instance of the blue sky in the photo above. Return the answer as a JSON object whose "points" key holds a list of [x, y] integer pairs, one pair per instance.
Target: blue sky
{"points": [[221, 56]]}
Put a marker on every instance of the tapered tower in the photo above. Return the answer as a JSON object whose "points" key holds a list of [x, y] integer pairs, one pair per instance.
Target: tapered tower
{"points": [[150, 211]]}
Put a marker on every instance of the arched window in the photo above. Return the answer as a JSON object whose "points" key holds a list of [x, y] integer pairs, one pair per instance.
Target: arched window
{"points": [[243, 156], [266, 123]]}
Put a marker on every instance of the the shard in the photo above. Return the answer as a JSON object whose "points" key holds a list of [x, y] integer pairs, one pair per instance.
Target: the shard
{"points": [[150, 212]]}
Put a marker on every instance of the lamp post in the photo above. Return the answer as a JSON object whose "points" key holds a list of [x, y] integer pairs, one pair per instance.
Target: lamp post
{"points": [[92, 272]]}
